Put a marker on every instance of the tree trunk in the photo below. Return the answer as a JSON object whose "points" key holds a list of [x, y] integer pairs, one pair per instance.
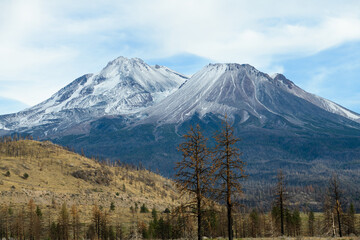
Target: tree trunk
{"points": [[338, 217], [229, 208], [198, 190], [282, 213], [199, 218]]}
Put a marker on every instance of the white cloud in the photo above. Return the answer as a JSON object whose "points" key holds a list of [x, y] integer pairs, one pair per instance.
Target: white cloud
{"points": [[49, 43]]}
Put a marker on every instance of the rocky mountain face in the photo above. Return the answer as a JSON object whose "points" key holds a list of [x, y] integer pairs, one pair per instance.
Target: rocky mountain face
{"points": [[137, 113], [123, 87], [242, 90]]}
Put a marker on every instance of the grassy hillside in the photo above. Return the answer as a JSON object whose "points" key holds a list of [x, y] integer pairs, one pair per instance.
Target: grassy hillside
{"points": [[52, 175], [49, 174]]}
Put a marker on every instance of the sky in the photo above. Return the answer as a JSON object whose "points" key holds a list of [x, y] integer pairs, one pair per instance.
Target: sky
{"points": [[44, 45]]}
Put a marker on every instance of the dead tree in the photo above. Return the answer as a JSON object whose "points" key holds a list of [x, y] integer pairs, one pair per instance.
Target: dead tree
{"points": [[75, 222], [228, 169], [64, 222], [335, 194], [193, 171], [280, 199]]}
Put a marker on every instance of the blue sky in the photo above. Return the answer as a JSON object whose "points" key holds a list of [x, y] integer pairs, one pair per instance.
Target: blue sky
{"points": [[45, 45]]}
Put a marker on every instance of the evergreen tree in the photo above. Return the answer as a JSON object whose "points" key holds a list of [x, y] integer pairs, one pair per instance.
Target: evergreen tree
{"points": [[144, 209], [38, 211], [112, 206], [297, 222], [350, 217], [254, 223], [311, 221]]}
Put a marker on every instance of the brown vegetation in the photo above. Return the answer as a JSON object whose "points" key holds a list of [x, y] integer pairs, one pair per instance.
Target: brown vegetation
{"points": [[67, 196], [56, 175]]}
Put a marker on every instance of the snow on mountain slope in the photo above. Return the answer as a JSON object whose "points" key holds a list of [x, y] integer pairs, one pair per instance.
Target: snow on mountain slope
{"points": [[316, 100], [124, 86], [157, 94], [241, 89]]}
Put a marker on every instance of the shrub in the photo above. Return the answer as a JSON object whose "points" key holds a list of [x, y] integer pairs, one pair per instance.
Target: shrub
{"points": [[144, 209], [112, 206], [25, 176]]}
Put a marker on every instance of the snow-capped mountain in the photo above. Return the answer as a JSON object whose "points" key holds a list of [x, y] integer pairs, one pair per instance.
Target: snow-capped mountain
{"points": [[124, 86], [243, 90], [138, 113]]}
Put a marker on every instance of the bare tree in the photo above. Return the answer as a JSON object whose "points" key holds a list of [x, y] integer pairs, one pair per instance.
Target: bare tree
{"points": [[228, 169], [280, 199], [64, 222], [31, 217], [335, 194], [193, 170], [96, 220], [75, 222]]}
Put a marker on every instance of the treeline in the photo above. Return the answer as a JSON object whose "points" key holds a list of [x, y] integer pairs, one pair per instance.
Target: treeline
{"points": [[70, 222], [218, 172], [202, 174]]}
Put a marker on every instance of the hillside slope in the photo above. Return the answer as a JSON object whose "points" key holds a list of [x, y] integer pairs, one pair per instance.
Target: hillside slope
{"points": [[48, 173]]}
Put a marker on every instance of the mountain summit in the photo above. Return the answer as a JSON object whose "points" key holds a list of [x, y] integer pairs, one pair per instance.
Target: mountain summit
{"points": [[124, 86], [137, 113], [255, 97]]}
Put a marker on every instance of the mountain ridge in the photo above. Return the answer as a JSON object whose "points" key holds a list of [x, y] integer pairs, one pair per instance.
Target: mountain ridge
{"points": [[229, 87], [123, 86], [282, 126]]}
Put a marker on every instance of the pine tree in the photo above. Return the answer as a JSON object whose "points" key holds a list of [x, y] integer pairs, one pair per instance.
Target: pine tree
{"points": [[350, 216], [228, 169], [311, 221], [112, 206], [297, 222], [193, 171], [254, 223]]}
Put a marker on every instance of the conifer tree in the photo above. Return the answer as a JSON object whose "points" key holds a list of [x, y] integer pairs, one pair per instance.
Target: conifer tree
{"points": [[311, 221], [193, 171], [350, 216], [254, 223], [228, 169]]}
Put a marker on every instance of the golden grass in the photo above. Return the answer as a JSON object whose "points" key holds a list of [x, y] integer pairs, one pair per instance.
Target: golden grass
{"points": [[50, 181]]}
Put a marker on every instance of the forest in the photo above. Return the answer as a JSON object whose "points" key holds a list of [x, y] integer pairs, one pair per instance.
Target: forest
{"points": [[210, 181]]}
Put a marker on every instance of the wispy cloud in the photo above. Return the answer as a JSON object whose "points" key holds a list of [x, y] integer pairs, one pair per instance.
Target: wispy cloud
{"points": [[49, 43]]}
